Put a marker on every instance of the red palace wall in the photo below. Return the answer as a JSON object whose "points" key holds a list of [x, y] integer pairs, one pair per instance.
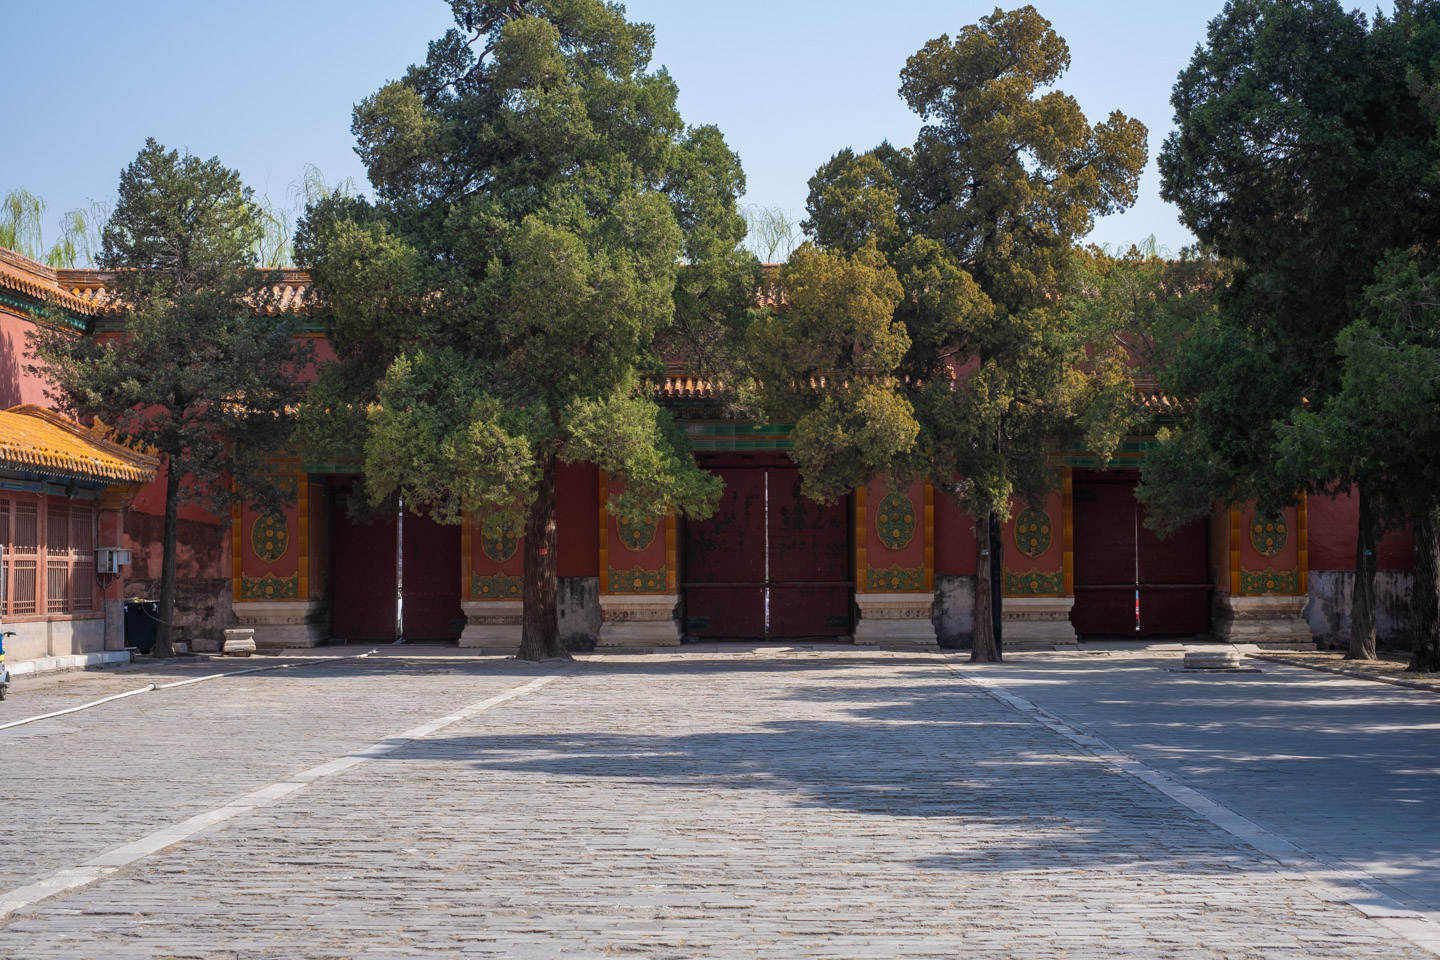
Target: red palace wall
{"points": [[1333, 535]]}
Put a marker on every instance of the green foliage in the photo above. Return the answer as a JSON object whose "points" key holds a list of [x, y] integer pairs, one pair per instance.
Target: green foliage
{"points": [[979, 222], [199, 368], [542, 217], [22, 229], [827, 362], [1302, 154]]}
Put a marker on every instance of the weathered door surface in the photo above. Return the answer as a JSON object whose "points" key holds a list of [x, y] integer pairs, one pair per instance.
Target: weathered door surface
{"points": [[769, 563], [432, 580], [725, 562], [362, 575], [809, 562], [1129, 582]]}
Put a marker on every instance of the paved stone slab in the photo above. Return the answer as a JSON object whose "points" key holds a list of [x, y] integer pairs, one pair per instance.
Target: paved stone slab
{"points": [[87, 782], [806, 805], [1346, 769]]}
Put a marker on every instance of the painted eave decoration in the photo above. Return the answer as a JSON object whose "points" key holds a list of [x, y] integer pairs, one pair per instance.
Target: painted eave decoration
{"points": [[36, 440]]}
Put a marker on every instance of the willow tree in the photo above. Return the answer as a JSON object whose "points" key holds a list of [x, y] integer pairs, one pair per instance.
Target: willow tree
{"points": [[980, 221], [541, 214]]}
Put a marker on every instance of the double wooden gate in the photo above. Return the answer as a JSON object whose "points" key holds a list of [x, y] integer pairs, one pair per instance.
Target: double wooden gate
{"points": [[363, 575], [770, 563], [1128, 581]]}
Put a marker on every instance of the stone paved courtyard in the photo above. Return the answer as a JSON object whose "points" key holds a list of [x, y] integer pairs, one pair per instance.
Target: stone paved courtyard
{"points": [[777, 803]]}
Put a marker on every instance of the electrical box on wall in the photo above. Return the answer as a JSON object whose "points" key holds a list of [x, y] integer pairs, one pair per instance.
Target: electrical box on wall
{"points": [[111, 559]]}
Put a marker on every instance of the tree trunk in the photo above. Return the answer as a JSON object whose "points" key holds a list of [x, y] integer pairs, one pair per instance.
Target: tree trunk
{"points": [[989, 594], [540, 626], [164, 633], [1425, 596], [1362, 597]]}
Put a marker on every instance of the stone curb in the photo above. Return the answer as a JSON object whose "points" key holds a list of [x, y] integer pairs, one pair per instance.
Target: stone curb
{"points": [[81, 661], [1357, 674]]}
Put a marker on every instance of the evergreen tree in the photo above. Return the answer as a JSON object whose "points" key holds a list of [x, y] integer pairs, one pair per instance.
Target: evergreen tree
{"points": [[204, 365], [980, 221], [1302, 156], [541, 216]]}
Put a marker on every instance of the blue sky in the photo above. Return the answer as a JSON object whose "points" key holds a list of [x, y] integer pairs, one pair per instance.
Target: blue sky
{"points": [[268, 86]]}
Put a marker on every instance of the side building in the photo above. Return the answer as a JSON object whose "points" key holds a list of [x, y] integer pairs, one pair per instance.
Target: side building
{"points": [[891, 563]]}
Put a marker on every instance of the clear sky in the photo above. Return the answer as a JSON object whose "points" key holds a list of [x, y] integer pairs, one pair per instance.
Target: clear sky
{"points": [[268, 85]]}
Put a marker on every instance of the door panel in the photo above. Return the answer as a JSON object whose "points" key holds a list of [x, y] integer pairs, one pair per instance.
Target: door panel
{"points": [[809, 562], [769, 563], [1116, 556], [1104, 518], [362, 571], [725, 562], [432, 580]]}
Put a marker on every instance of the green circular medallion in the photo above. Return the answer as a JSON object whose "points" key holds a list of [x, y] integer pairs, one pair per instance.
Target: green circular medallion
{"points": [[895, 521], [499, 539], [1033, 532], [270, 537], [1268, 534], [637, 533]]}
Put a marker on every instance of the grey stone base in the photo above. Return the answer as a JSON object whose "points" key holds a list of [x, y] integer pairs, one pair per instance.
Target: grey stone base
{"points": [[896, 618], [1328, 612], [279, 624], [954, 617], [636, 622], [1271, 623], [1037, 623], [492, 625]]}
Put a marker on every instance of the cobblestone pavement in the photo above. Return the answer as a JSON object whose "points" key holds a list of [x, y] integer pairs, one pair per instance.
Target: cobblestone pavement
{"points": [[830, 804], [1347, 769]]}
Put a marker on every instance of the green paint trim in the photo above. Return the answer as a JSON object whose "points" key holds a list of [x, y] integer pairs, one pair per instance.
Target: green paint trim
{"points": [[39, 313]]}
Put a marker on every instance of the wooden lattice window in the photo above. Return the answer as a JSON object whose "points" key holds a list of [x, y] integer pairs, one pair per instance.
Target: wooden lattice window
{"points": [[22, 556], [69, 558]]}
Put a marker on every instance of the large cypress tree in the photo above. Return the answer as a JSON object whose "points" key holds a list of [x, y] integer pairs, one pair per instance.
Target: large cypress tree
{"points": [[979, 221], [541, 215], [204, 365], [1303, 155]]}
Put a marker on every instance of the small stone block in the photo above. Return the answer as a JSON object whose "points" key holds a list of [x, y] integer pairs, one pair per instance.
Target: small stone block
{"points": [[239, 642]]}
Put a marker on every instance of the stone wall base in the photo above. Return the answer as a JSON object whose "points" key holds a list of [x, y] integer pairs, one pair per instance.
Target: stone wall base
{"points": [[954, 610], [1276, 623], [638, 622], [895, 618], [279, 624], [492, 626], [1037, 623]]}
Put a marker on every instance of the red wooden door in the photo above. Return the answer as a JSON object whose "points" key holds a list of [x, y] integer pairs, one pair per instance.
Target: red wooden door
{"points": [[362, 575], [725, 562], [809, 547], [432, 580], [1128, 581], [1174, 580], [769, 563]]}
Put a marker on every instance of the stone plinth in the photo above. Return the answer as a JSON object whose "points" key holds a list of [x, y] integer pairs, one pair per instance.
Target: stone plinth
{"points": [[638, 621], [1037, 623], [492, 626], [285, 623], [239, 642], [900, 618], [1213, 660], [1276, 623]]}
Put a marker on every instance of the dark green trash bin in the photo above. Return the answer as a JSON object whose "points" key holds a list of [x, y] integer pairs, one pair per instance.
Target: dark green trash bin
{"points": [[142, 620]]}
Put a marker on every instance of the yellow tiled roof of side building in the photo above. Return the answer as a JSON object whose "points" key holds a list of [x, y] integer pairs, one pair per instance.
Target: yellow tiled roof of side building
{"points": [[37, 440]]}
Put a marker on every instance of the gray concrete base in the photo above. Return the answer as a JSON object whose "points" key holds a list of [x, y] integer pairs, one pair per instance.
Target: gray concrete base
{"points": [[1037, 623], [1272, 623], [633, 622], [891, 618], [285, 623], [1328, 612]]}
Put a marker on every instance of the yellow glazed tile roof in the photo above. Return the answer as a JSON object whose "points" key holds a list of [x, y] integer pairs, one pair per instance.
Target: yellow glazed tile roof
{"points": [[37, 440]]}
